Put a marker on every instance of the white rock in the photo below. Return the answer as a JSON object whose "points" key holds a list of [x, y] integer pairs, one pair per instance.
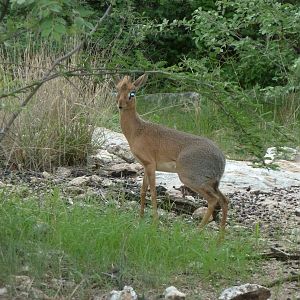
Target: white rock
{"points": [[3, 291], [276, 153], [127, 293], [171, 293], [46, 175], [102, 157], [79, 181], [190, 198], [114, 142], [254, 290], [199, 213]]}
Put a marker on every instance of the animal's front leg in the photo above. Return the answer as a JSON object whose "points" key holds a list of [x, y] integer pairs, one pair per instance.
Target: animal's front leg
{"points": [[144, 189], [150, 173]]}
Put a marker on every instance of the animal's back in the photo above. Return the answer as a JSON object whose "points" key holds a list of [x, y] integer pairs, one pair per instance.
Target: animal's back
{"points": [[170, 145]]}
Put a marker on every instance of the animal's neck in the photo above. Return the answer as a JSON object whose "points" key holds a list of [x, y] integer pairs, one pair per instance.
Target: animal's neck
{"points": [[130, 122]]}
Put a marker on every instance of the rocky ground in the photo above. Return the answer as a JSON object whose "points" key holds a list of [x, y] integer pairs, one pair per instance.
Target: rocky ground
{"points": [[264, 200], [274, 214]]}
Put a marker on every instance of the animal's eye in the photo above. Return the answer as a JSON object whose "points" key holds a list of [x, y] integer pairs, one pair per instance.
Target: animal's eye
{"points": [[131, 94]]}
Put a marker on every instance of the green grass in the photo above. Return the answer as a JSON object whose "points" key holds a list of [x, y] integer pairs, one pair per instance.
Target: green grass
{"points": [[46, 238]]}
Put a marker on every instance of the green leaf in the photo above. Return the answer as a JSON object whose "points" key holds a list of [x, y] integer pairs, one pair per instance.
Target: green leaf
{"points": [[60, 28], [79, 22], [55, 8], [46, 27]]}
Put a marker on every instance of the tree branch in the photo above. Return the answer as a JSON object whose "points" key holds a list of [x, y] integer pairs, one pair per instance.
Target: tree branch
{"points": [[48, 77]]}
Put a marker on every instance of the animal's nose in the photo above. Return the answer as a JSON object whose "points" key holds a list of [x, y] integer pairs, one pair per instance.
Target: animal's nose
{"points": [[120, 107]]}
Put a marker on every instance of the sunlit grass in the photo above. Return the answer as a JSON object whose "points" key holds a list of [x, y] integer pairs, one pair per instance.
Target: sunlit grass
{"points": [[46, 237]]}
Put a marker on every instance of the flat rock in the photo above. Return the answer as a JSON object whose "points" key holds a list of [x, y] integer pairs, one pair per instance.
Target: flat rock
{"points": [[246, 292], [125, 169], [102, 157], [79, 181], [114, 142]]}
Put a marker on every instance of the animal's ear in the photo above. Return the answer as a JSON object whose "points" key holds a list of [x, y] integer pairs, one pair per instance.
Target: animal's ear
{"points": [[140, 81], [116, 79]]}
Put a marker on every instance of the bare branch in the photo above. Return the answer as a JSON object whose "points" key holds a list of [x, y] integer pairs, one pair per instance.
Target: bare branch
{"points": [[82, 72]]}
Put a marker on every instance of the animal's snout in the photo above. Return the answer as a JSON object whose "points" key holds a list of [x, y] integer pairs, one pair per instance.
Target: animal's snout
{"points": [[120, 107]]}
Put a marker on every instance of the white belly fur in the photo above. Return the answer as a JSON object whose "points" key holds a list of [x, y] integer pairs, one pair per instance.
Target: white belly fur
{"points": [[166, 166]]}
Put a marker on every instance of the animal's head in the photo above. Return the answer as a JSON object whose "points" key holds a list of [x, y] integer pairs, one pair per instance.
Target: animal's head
{"points": [[126, 91]]}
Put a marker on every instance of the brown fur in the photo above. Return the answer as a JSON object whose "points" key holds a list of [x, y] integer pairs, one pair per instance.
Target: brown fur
{"points": [[197, 160]]}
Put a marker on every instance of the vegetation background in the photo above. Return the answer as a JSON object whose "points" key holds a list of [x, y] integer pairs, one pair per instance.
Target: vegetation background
{"points": [[241, 58]]}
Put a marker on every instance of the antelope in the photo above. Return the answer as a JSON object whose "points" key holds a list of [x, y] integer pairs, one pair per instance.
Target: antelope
{"points": [[197, 160]]}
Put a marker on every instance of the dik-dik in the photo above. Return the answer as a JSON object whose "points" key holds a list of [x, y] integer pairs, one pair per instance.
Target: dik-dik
{"points": [[197, 160]]}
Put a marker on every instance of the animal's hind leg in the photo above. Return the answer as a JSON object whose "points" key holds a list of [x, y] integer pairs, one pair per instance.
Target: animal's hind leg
{"points": [[223, 200], [208, 191], [212, 200]]}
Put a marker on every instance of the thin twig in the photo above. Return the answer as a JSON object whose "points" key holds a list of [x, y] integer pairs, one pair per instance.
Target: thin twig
{"points": [[76, 288], [290, 278]]}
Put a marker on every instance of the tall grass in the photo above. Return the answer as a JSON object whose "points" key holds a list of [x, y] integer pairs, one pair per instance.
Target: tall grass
{"points": [[55, 128], [49, 239]]}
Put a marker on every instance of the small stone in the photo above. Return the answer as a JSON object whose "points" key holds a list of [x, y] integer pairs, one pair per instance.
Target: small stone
{"points": [[107, 182], [79, 181], [122, 152], [46, 175], [200, 212], [63, 172], [3, 291], [246, 291], [171, 293], [190, 198], [127, 293], [96, 179], [297, 212]]}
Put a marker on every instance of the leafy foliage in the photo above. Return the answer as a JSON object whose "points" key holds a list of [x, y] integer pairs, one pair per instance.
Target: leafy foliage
{"points": [[253, 42], [50, 19], [242, 57]]}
